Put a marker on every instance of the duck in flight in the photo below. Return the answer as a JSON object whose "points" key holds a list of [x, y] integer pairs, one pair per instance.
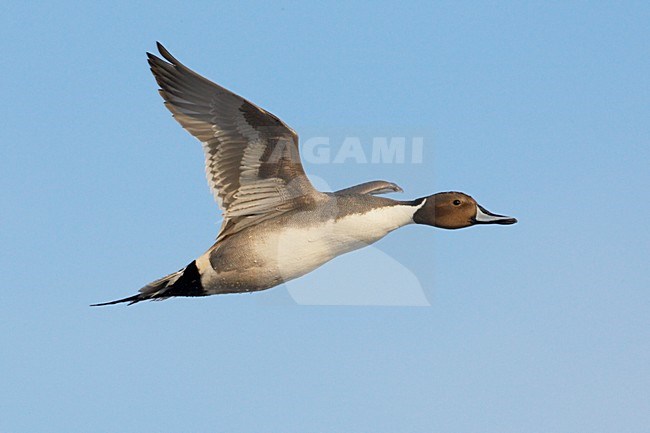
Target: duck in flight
{"points": [[276, 225]]}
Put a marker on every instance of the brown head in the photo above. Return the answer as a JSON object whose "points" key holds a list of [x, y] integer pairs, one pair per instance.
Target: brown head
{"points": [[455, 210]]}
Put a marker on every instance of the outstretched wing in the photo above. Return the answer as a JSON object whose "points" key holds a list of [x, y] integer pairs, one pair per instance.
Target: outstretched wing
{"points": [[374, 187], [252, 161]]}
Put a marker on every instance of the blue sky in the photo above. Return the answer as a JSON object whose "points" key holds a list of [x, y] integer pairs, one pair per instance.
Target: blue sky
{"points": [[539, 111]]}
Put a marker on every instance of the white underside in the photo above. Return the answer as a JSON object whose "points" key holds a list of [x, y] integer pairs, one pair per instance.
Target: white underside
{"points": [[297, 251]]}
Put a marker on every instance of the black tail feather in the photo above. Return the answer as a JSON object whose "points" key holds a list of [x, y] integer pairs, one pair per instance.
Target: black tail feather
{"points": [[186, 282], [131, 300]]}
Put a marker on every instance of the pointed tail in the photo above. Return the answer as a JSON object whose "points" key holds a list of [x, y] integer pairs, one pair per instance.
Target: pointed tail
{"points": [[185, 282]]}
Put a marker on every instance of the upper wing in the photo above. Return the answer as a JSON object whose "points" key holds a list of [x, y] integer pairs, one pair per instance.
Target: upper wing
{"points": [[374, 187], [252, 161]]}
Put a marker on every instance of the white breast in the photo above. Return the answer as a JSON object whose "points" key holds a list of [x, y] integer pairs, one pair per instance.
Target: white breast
{"points": [[295, 251]]}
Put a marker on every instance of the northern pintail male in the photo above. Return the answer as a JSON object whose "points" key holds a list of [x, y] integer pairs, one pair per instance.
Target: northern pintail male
{"points": [[276, 225]]}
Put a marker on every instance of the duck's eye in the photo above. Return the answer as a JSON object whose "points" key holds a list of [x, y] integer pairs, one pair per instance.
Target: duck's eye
{"points": [[456, 202]]}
